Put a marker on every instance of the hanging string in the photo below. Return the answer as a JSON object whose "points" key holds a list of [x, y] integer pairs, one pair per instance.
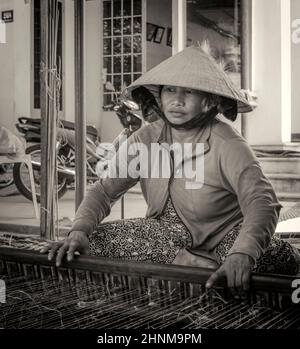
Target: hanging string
{"points": [[51, 80]]}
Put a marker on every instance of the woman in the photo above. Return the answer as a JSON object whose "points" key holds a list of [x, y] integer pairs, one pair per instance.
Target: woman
{"points": [[223, 219]]}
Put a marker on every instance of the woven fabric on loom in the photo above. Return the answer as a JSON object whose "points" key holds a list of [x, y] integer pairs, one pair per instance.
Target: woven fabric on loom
{"points": [[42, 296], [22, 242]]}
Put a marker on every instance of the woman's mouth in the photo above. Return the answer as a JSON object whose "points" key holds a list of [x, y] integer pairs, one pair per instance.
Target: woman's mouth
{"points": [[176, 113]]}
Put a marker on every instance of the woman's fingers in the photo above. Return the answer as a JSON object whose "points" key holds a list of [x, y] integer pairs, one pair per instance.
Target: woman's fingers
{"points": [[58, 249], [246, 280], [215, 277], [77, 242], [246, 283], [241, 286], [61, 253], [237, 279], [72, 249], [233, 282], [54, 248]]}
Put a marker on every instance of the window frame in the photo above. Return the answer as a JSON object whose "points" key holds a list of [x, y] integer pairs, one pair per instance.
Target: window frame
{"points": [[133, 74]]}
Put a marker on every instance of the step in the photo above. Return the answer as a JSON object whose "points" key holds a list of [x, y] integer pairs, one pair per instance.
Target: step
{"points": [[285, 176], [280, 165], [287, 147], [285, 182], [288, 197]]}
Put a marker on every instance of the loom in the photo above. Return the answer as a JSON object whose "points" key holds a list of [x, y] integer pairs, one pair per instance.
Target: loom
{"points": [[94, 292]]}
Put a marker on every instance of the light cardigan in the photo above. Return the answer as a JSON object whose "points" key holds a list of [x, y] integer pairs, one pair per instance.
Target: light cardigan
{"points": [[234, 190]]}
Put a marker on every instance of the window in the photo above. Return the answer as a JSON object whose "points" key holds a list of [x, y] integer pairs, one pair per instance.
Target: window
{"points": [[122, 44], [37, 51], [218, 23], [159, 32]]}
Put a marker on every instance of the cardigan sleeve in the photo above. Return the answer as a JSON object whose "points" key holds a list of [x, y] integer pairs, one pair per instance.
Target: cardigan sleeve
{"points": [[242, 174], [100, 197]]}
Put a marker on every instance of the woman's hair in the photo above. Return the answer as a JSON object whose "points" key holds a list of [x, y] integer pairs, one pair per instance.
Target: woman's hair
{"points": [[229, 108]]}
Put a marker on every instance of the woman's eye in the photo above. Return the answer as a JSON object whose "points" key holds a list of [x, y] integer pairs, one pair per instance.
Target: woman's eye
{"points": [[188, 91], [170, 89]]}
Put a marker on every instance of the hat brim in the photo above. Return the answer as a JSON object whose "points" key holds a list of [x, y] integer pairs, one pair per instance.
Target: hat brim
{"points": [[192, 68], [243, 106]]}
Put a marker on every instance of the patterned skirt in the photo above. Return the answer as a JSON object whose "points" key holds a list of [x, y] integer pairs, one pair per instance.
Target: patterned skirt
{"points": [[159, 241]]}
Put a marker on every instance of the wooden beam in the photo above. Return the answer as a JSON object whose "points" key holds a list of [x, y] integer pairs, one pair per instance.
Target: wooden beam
{"points": [[44, 138], [49, 95], [28, 229], [80, 118]]}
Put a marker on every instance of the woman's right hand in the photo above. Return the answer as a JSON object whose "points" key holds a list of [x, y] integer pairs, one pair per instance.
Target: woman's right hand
{"points": [[76, 241]]}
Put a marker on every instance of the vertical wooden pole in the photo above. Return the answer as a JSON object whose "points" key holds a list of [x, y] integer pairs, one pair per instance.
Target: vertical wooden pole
{"points": [[246, 6], [80, 121], [44, 138], [49, 113]]}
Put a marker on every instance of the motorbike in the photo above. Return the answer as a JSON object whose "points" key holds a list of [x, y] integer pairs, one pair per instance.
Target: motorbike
{"points": [[131, 121], [97, 155], [30, 129]]}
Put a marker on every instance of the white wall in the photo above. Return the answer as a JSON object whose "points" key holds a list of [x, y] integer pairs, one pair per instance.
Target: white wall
{"points": [[295, 14], [270, 122], [23, 97], [16, 98], [15, 55], [93, 63], [7, 72], [68, 62], [159, 13]]}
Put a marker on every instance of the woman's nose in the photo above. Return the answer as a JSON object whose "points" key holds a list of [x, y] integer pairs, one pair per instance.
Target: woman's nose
{"points": [[179, 98]]}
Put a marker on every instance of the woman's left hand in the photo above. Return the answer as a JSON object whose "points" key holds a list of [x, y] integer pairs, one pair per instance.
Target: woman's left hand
{"points": [[236, 268]]}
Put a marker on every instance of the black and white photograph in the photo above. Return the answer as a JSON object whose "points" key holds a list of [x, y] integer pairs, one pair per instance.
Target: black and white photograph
{"points": [[159, 33], [150, 170], [151, 31]]}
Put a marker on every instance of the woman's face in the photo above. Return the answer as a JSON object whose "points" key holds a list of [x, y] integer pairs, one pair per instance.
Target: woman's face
{"points": [[181, 104]]}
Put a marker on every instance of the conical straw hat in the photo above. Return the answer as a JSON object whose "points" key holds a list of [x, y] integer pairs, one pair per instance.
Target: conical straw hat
{"points": [[196, 69]]}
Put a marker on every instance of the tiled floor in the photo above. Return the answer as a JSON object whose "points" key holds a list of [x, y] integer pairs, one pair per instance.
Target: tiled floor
{"points": [[15, 209]]}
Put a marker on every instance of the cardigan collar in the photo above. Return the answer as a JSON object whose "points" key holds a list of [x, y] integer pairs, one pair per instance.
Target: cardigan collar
{"points": [[203, 136]]}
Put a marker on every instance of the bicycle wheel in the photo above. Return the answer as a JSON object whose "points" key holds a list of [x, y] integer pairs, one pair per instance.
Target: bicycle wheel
{"points": [[22, 179]]}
